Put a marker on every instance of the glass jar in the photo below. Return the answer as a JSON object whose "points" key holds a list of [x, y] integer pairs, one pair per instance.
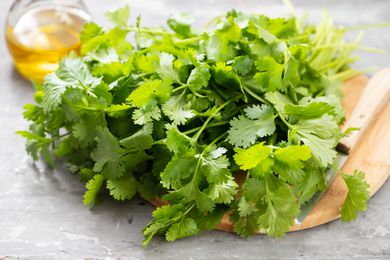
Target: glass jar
{"points": [[40, 32]]}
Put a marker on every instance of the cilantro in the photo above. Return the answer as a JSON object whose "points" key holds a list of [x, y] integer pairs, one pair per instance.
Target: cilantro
{"points": [[93, 186], [175, 114], [258, 122], [357, 196]]}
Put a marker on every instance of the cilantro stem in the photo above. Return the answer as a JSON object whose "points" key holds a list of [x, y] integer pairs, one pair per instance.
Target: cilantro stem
{"points": [[145, 30], [189, 209], [197, 135], [367, 26], [179, 88], [347, 45], [189, 40], [285, 121], [241, 87], [254, 95], [209, 126], [216, 140]]}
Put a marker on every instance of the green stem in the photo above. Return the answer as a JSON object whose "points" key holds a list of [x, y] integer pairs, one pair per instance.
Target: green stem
{"points": [[189, 209], [284, 120], [189, 40], [216, 140], [145, 30], [197, 135], [368, 26], [209, 126], [241, 88], [254, 95], [349, 45], [179, 88]]}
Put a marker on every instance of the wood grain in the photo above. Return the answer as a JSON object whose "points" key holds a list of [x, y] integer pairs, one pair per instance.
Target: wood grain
{"points": [[371, 155], [375, 97]]}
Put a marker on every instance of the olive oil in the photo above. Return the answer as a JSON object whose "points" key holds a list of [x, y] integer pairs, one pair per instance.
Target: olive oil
{"points": [[42, 36]]}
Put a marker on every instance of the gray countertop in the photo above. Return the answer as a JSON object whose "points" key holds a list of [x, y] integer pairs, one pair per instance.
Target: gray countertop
{"points": [[41, 211]]}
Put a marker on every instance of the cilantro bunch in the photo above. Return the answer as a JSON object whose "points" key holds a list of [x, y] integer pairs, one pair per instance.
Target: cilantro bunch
{"points": [[241, 119]]}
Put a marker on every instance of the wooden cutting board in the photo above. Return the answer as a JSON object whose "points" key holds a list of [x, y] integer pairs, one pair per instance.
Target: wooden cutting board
{"points": [[371, 155]]}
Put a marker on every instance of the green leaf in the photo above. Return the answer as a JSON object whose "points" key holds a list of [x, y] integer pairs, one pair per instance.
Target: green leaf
{"points": [[255, 28], [321, 135], [139, 141], [191, 193], [270, 75], [176, 170], [54, 89], [243, 65], [184, 228], [166, 69], [313, 181], [259, 122], [117, 110], [90, 31], [357, 197], [199, 77], [176, 110], [251, 157], [223, 192], [76, 73], [215, 166], [245, 208], [289, 162], [279, 101], [37, 143], [210, 220], [281, 209], [123, 188], [120, 16], [176, 141], [181, 24], [225, 76], [164, 217], [253, 189], [93, 186], [218, 49], [147, 114], [107, 154], [310, 110], [150, 90]]}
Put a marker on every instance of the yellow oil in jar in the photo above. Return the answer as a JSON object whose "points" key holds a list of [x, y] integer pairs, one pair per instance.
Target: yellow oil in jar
{"points": [[42, 36]]}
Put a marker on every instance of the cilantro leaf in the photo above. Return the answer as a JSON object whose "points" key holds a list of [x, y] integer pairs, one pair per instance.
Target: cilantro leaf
{"points": [[245, 130], [289, 162], [123, 188], [199, 77], [357, 197], [270, 75], [119, 17], [313, 180], [181, 24], [176, 141], [281, 208], [175, 109], [148, 91], [251, 157], [107, 154], [321, 135], [184, 228], [93, 186], [166, 69]]}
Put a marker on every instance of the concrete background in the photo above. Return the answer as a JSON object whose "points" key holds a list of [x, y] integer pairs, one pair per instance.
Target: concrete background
{"points": [[41, 213]]}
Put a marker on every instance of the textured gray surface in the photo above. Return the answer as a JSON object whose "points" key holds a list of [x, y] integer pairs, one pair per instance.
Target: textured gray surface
{"points": [[41, 214]]}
